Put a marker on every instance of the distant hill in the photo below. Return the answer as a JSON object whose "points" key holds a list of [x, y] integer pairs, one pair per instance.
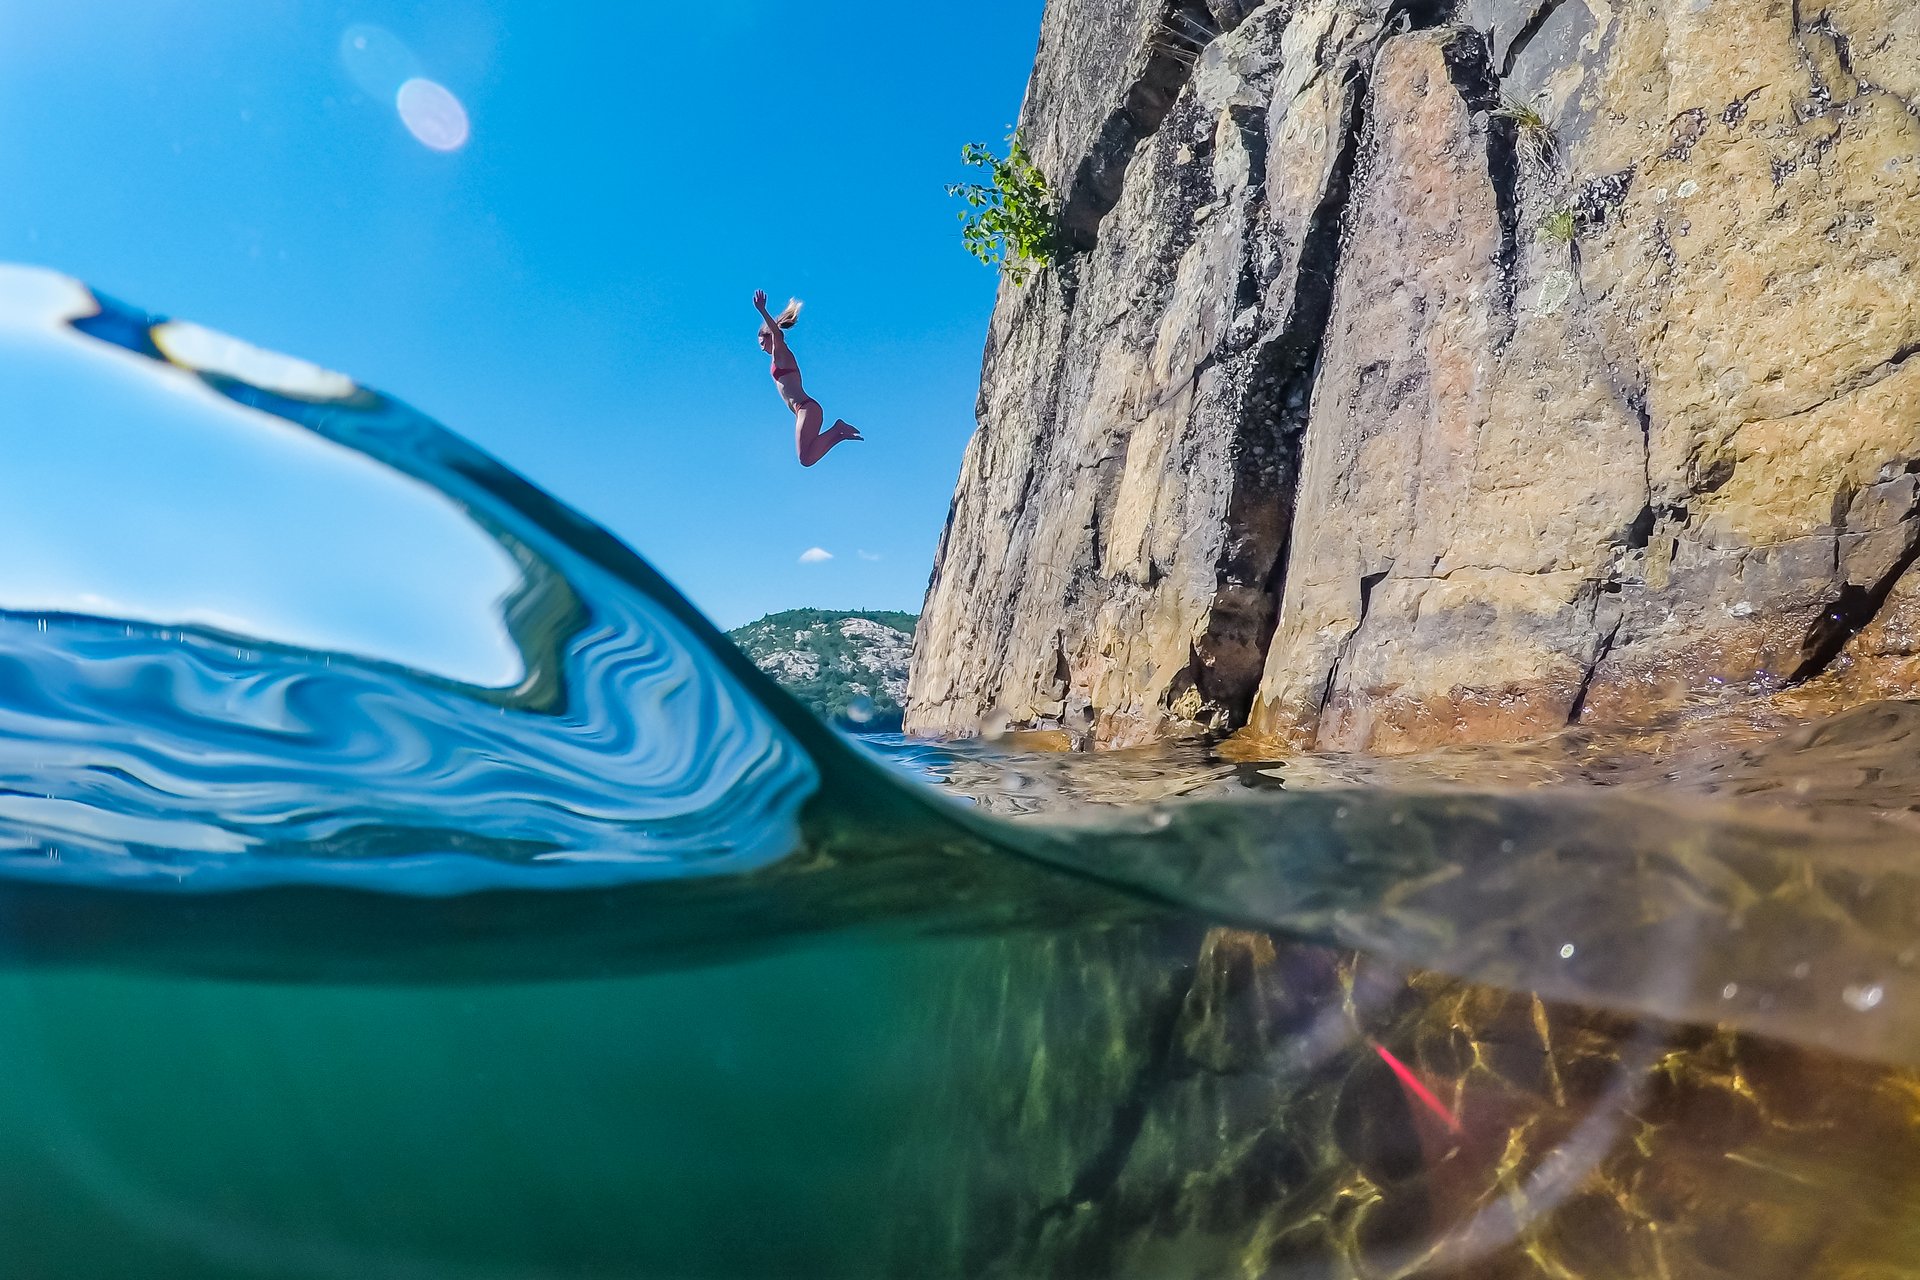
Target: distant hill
{"points": [[840, 663]]}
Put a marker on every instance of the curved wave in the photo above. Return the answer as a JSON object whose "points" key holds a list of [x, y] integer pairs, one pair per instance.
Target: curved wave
{"points": [[193, 757]]}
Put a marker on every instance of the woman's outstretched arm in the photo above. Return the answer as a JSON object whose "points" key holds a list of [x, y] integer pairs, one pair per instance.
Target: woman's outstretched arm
{"points": [[778, 338], [773, 326]]}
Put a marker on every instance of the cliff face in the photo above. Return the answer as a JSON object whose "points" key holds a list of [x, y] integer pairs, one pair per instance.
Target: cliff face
{"points": [[1327, 428]]}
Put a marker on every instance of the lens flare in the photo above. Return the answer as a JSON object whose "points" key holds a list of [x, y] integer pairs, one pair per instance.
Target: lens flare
{"points": [[433, 115], [376, 60]]}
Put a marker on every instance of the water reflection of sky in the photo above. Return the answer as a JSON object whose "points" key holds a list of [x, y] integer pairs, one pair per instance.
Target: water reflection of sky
{"points": [[133, 490]]}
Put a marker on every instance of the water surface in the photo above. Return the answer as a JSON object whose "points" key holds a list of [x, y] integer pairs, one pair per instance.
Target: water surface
{"points": [[399, 878]]}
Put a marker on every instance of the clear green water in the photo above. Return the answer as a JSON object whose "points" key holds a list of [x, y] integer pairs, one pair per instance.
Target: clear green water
{"points": [[760, 1119]]}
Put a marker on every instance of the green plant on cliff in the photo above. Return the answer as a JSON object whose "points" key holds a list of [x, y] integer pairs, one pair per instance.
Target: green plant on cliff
{"points": [[1559, 227], [1538, 145], [1010, 221]]}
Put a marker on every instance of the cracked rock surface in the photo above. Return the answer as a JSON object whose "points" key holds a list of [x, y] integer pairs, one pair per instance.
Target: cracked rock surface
{"points": [[1326, 429]]}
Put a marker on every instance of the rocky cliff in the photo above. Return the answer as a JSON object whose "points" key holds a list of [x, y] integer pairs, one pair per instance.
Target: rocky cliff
{"points": [[1427, 371]]}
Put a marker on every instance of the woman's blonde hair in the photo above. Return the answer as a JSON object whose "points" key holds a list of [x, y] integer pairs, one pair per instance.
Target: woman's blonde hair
{"points": [[791, 316]]}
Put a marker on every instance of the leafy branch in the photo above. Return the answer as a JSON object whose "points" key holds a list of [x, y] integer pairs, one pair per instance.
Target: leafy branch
{"points": [[1011, 221]]}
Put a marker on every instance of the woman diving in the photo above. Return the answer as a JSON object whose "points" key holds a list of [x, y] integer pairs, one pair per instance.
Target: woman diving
{"points": [[809, 439]]}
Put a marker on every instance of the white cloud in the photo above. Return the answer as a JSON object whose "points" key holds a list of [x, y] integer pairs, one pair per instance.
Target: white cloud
{"points": [[815, 555], [868, 555]]}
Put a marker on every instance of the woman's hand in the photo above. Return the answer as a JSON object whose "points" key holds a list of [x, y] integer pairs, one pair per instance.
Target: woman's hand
{"points": [[760, 299]]}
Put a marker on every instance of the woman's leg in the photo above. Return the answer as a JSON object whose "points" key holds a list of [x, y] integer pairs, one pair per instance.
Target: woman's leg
{"points": [[811, 442]]}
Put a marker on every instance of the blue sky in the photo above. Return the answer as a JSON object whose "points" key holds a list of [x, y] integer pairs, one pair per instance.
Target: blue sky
{"points": [[570, 288]]}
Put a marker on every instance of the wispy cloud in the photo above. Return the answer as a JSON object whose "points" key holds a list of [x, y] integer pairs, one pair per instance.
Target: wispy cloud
{"points": [[815, 555], [868, 555]]}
